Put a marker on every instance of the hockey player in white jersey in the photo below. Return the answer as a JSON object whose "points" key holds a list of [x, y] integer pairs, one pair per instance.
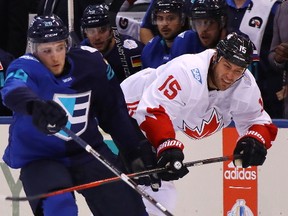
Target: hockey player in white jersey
{"points": [[199, 94]]}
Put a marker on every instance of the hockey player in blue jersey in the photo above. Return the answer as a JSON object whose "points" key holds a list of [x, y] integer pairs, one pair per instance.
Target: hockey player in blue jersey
{"points": [[170, 19], [96, 27], [208, 22], [57, 85]]}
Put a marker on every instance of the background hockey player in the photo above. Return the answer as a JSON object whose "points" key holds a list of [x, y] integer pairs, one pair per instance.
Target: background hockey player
{"points": [[208, 21], [96, 27], [199, 94], [169, 18], [54, 86]]}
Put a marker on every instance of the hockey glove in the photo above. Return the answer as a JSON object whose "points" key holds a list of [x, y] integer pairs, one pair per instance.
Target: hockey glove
{"points": [[253, 152], [144, 158], [170, 155], [48, 116]]}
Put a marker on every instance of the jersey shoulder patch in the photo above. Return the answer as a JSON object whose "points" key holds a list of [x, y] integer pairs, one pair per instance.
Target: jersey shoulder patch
{"points": [[196, 74], [130, 44]]}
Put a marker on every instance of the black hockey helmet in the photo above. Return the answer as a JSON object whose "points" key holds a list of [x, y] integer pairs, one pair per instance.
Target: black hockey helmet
{"points": [[236, 49], [202, 9], [47, 28], [95, 16], [166, 6]]}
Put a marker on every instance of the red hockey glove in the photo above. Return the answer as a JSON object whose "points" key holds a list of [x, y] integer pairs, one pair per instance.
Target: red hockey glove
{"points": [[253, 152], [48, 116], [170, 155]]}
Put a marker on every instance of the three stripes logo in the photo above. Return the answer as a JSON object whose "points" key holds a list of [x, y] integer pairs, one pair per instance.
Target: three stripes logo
{"points": [[132, 107]]}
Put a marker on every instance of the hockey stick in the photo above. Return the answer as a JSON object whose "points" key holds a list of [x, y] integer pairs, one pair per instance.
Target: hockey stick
{"points": [[113, 10], [49, 7], [113, 169], [73, 35], [115, 179]]}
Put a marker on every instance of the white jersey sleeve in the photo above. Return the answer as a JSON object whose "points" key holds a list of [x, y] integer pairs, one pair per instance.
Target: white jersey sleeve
{"points": [[248, 113]]}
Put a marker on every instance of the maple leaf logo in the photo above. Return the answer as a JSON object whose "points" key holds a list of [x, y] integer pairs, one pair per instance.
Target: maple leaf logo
{"points": [[207, 128]]}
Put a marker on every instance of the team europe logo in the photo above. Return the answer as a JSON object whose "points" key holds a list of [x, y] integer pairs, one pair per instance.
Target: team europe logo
{"points": [[76, 106], [207, 128]]}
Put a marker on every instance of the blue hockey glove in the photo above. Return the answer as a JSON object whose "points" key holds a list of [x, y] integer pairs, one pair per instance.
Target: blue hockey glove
{"points": [[48, 116], [170, 155], [253, 152]]}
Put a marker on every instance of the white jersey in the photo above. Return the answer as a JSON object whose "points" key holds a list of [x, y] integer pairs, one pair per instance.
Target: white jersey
{"points": [[175, 96]]}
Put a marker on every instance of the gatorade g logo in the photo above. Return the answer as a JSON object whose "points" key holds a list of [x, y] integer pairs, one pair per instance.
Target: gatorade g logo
{"points": [[76, 107], [123, 22], [255, 22], [235, 173]]}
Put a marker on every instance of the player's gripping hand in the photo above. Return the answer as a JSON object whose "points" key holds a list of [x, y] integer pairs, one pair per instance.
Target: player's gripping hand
{"points": [[170, 155], [48, 116], [252, 151], [144, 158]]}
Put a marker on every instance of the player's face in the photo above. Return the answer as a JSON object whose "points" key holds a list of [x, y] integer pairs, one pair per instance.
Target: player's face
{"points": [[100, 37], [224, 74], [208, 31], [52, 55], [168, 24]]}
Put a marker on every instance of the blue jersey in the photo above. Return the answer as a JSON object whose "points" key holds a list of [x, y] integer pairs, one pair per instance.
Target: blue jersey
{"points": [[155, 53], [89, 93], [5, 60], [132, 49], [185, 43]]}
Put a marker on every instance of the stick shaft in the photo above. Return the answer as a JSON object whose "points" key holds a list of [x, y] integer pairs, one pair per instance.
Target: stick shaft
{"points": [[70, 15], [72, 33], [113, 169], [117, 178]]}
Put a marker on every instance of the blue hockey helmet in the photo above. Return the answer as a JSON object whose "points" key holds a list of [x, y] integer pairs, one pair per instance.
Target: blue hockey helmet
{"points": [[236, 49], [48, 28], [167, 6], [203, 9], [95, 16]]}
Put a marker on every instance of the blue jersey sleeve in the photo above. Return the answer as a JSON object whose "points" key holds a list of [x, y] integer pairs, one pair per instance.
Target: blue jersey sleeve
{"points": [[155, 53], [17, 90], [147, 20]]}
